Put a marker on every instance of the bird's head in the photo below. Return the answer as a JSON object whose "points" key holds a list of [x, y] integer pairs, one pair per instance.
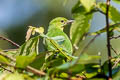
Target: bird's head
{"points": [[60, 22]]}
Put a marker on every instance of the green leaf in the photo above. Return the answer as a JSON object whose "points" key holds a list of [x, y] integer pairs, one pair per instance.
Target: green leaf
{"points": [[23, 61], [115, 66], [116, 72], [98, 79], [64, 75], [81, 24], [117, 76], [65, 2], [114, 14], [83, 64], [31, 46], [116, 1], [39, 61], [3, 59], [67, 67], [87, 59], [14, 76], [91, 64], [91, 74], [55, 62], [88, 4]]}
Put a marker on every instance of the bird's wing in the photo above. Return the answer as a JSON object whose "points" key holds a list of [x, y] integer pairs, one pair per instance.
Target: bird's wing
{"points": [[59, 39]]}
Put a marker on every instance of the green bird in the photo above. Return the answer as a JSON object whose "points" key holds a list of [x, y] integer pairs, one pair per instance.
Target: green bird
{"points": [[56, 33]]}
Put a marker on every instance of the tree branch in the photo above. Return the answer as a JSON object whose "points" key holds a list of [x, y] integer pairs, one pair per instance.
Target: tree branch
{"points": [[6, 69], [114, 50], [29, 68], [6, 50], [108, 39], [86, 47], [115, 37], [9, 57], [10, 41], [98, 9]]}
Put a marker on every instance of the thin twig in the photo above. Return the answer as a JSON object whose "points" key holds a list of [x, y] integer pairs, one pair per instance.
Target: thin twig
{"points": [[116, 62], [115, 37], [6, 69], [98, 9], [114, 50], [112, 27], [116, 24], [84, 75], [9, 57], [10, 41], [29, 68], [108, 38], [86, 47], [6, 50], [35, 71], [10, 65]]}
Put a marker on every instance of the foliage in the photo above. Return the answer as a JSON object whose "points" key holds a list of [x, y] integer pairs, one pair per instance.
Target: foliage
{"points": [[28, 63]]}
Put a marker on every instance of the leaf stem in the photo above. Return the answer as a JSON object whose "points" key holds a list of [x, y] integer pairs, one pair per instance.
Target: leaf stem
{"points": [[108, 38]]}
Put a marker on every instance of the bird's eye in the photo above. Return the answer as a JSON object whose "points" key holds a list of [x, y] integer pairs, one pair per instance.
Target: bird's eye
{"points": [[62, 21]]}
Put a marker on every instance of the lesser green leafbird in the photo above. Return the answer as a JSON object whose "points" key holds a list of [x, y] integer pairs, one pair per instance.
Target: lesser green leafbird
{"points": [[56, 33]]}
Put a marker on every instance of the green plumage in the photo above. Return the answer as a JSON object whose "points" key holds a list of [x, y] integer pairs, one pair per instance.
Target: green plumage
{"points": [[55, 32]]}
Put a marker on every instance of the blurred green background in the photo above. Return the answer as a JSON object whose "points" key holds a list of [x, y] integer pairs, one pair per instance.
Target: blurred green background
{"points": [[17, 15]]}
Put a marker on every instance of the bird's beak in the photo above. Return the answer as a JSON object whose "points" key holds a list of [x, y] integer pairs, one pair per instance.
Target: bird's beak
{"points": [[70, 21]]}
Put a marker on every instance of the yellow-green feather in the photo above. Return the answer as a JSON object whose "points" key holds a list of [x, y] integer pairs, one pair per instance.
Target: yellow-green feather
{"points": [[55, 30]]}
